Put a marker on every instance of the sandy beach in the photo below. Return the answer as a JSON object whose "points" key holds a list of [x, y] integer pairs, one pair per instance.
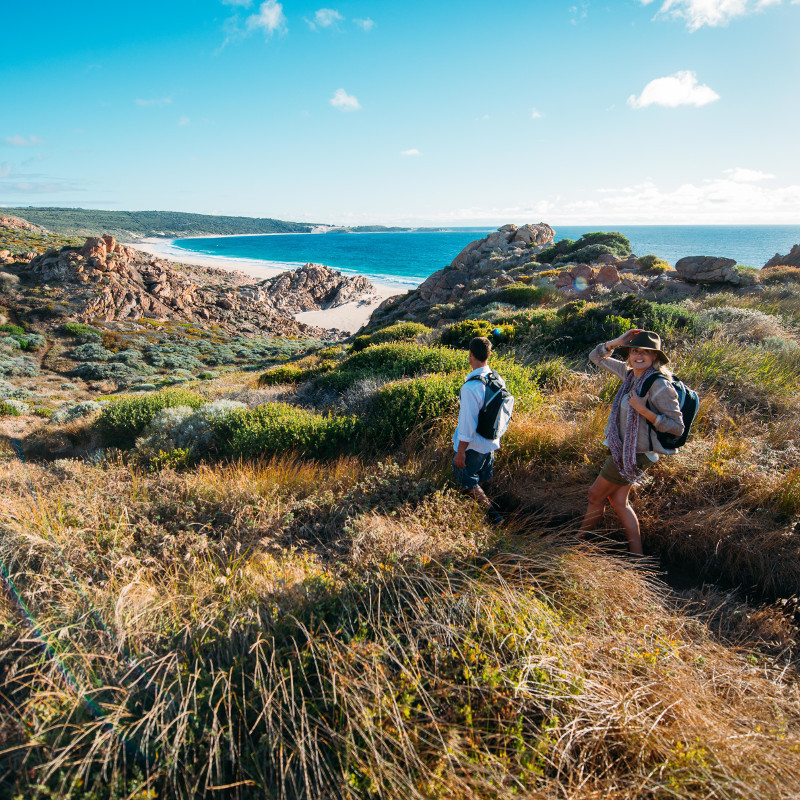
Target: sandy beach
{"points": [[348, 317]]}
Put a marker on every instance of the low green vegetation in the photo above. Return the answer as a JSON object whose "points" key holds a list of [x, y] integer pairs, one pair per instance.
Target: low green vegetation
{"points": [[586, 249], [87, 221]]}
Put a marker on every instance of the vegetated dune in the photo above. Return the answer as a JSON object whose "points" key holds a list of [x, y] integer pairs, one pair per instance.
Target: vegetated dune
{"points": [[266, 585]]}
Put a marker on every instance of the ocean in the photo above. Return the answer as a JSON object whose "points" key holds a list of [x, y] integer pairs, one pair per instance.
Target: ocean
{"points": [[410, 257]]}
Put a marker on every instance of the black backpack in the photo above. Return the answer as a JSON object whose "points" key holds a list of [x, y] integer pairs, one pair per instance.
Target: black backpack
{"points": [[498, 407], [689, 402]]}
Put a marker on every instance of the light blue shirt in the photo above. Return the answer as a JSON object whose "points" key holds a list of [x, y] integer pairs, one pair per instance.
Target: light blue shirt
{"points": [[471, 398]]}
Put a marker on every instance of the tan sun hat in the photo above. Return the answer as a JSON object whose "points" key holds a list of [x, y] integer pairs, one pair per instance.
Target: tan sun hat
{"points": [[645, 340]]}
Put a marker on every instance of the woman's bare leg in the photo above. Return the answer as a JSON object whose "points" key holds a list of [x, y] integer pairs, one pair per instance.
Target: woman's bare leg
{"points": [[620, 500], [598, 494]]}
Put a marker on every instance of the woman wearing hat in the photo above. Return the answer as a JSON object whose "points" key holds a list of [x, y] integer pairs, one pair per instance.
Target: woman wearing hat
{"points": [[632, 448]]}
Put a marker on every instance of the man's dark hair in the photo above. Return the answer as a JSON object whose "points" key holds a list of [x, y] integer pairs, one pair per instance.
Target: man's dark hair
{"points": [[481, 348]]}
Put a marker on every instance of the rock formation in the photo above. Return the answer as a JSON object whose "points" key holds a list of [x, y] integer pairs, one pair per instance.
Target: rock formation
{"points": [[791, 259], [480, 264], [110, 281], [708, 269], [20, 224]]}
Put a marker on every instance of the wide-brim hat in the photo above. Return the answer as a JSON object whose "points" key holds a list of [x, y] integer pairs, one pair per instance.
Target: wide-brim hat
{"points": [[645, 340]]}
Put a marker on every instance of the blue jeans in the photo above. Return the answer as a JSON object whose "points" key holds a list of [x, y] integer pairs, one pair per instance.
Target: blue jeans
{"points": [[479, 468]]}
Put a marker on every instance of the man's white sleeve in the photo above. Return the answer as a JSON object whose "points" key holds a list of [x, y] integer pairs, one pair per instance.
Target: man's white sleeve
{"points": [[468, 414]]}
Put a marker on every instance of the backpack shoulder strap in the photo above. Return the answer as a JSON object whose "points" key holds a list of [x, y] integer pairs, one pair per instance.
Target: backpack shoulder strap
{"points": [[649, 381]]}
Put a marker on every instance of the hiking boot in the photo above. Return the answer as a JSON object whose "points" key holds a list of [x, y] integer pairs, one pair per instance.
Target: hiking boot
{"points": [[494, 517]]}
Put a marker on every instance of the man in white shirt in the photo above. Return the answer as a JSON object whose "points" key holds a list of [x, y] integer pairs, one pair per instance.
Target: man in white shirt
{"points": [[474, 459]]}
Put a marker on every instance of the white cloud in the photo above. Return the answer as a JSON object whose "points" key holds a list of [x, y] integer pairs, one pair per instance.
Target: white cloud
{"points": [[535, 114], [680, 89], [344, 101], [368, 24], [710, 12], [21, 141], [183, 121], [740, 175], [325, 18], [270, 18], [156, 101], [412, 152]]}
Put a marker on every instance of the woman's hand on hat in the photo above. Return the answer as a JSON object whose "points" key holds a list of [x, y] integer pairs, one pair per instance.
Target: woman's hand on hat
{"points": [[625, 339]]}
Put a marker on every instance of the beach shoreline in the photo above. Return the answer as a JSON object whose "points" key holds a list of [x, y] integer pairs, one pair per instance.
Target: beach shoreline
{"points": [[349, 317]]}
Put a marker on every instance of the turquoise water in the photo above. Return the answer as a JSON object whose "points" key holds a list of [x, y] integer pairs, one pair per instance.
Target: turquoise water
{"points": [[410, 257]]}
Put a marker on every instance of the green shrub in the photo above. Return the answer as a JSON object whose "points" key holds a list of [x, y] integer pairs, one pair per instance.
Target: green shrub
{"points": [[79, 329], [125, 417], [420, 402], [587, 248], [274, 428], [651, 263], [520, 294], [392, 361], [15, 330], [9, 408], [286, 373], [461, 334], [403, 405], [399, 332]]}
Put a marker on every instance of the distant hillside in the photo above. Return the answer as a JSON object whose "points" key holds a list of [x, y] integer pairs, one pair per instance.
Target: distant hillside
{"points": [[137, 224]]}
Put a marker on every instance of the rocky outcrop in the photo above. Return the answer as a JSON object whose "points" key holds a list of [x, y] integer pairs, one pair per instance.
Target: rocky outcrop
{"points": [[313, 287], [482, 264], [708, 270], [791, 259], [110, 281], [20, 224]]}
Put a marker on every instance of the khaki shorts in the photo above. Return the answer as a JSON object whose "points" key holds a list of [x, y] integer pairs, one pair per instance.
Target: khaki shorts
{"points": [[611, 473]]}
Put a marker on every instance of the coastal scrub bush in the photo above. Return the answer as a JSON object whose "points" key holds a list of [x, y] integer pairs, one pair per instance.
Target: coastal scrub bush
{"points": [[654, 264], [91, 351], [402, 405], [186, 429], [520, 294], [587, 248], [390, 361], [79, 329], [14, 330], [285, 373], [69, 412], [781, 274], [459, 336], [399, 332], [31, 341], [23, 366], [12, 408], [101, 371], [274, 428], [125, 417]]}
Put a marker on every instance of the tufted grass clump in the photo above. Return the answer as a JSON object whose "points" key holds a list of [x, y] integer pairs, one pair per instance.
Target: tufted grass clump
{"points": [[750, 375], [125, 417], [522, 295], [399, 332]]}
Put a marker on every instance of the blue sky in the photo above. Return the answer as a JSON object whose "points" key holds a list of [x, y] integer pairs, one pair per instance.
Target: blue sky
{"points": [[645, 111]]}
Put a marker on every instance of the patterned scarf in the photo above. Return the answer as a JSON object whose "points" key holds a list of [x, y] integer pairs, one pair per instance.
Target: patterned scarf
{"points": [[624, 453]]}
